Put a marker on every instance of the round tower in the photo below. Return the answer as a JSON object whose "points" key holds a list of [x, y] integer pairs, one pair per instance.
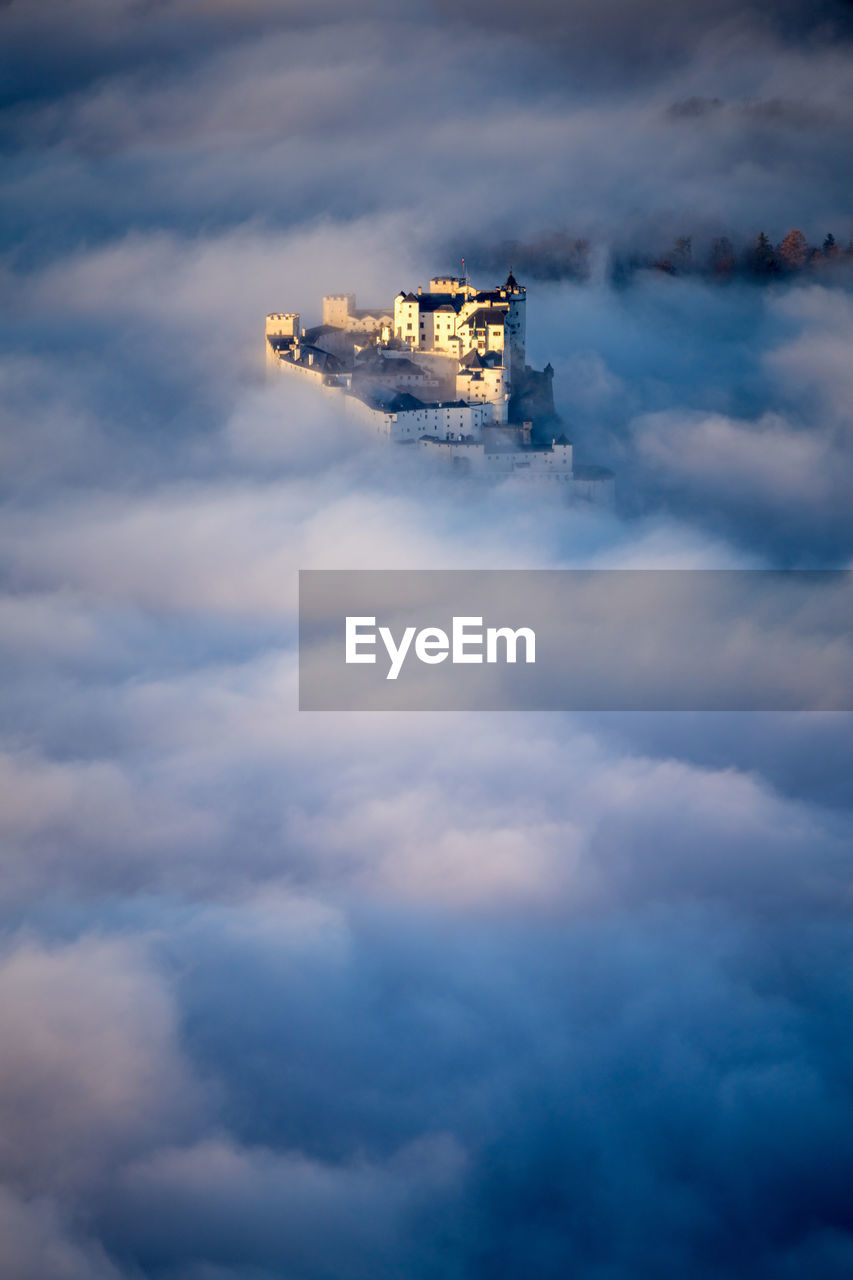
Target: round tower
{"points": [[516, 323]]}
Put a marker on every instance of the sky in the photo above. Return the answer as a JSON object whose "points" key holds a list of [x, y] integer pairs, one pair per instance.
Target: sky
{"points": [[429, 995]]}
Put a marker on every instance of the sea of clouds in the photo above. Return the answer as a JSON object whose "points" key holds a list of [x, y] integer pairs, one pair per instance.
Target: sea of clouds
{"points": [[337, 996]]}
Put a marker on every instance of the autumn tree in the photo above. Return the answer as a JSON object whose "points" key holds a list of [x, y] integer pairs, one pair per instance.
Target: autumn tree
{"points": [[794, 251]]}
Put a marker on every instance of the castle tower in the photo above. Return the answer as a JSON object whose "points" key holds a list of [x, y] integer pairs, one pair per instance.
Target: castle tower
{"points": [[516, 323], [283, 324], [407, 319], [337, 309], [282, 330]]}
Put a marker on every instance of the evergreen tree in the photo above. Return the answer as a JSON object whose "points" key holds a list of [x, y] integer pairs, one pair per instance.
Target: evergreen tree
{"points": [[682, 253], [722, 257], [763, 259]]}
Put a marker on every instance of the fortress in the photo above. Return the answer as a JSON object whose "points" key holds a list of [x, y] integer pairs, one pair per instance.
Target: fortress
{"points": [[444, 370]]}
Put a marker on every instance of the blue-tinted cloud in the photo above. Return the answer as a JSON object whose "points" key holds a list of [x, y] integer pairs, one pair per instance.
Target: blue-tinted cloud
{"points": [[442, 996]]}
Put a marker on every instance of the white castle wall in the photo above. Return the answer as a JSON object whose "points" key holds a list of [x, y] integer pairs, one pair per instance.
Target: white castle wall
{"points": [[545, 465], [307, 373], [444, 421], [533, 464], [312, 374]]}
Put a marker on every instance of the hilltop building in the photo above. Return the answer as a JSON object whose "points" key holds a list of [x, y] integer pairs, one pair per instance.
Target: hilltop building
{"points": [[444, 369]]}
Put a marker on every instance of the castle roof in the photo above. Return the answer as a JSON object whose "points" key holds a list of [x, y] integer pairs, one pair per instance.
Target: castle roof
{"points": [[488, 360], [469, 441], [319, 331], [374, 363], [485, 315], [321, 359], [404, 401], [440, 302]]}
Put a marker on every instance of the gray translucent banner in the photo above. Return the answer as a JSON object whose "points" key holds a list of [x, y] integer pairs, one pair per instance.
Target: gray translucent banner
{"points": [[596, 640]]}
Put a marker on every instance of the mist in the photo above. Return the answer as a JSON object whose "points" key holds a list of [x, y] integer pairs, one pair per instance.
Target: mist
{"points": [[428, 994]]}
